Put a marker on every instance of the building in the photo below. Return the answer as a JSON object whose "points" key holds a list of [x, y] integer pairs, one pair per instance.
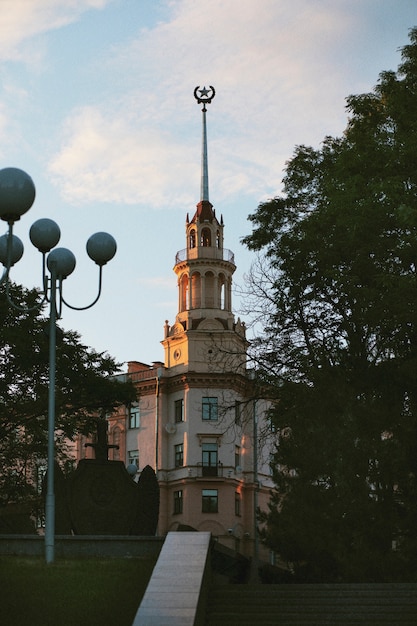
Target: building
{"points": [[196, 420]]}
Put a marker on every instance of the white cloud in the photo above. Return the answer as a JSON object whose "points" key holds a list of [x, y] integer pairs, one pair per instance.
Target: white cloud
{"points": [[260, 59], [276, 68], [22, 19], [104, 159]]}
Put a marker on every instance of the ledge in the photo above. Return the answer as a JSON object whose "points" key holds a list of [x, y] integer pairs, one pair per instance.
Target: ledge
{"points": [[82, 545]]}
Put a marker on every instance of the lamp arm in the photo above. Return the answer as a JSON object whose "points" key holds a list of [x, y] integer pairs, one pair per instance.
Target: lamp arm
{"points": [[84, 308], [23, 309], [17, 307], [4, 276], [6, 270], [45, 278]]}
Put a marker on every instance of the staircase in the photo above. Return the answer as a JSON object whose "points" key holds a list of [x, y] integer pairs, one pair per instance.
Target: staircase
{"points": [[313, 605]]}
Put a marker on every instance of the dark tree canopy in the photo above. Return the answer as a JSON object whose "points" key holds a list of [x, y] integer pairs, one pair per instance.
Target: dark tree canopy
{"points": [[85, 388], [336, 288]]}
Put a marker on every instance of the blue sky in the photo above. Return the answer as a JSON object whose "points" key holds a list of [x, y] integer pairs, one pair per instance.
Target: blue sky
{"points": [[96, 104]]}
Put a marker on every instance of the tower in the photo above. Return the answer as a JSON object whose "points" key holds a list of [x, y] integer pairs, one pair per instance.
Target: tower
{"points": [[205, 335], [207, 438], [196, 420]]}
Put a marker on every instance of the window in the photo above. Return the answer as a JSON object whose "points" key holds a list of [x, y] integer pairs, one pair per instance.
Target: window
{"points": [[192, 239], [206, 237], [133, 457], [237, 457], [179, 410], [237, 504], [209, 501], [209, 409], [116, 442], [209, 459], [179, 455], [238, 413], [177, 502], [134, 415]]}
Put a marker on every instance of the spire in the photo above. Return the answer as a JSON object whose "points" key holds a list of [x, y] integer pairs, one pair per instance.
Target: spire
{"points": [[204, 96]]}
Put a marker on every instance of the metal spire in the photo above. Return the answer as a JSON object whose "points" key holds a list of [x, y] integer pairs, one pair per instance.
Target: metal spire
{"points": [[204, 96]]}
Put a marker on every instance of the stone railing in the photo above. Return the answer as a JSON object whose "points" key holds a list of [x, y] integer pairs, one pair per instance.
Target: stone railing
{"points": [[205, 252]]}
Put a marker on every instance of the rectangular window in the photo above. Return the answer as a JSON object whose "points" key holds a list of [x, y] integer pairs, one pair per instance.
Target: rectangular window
{"points": [[179, 455], [209, 409], [237, 457], [134, 415], [133, 457], [238, 413], [116, 434], [237, 504], [179, 410], [177, 502], [209, 459], [209, 501]]}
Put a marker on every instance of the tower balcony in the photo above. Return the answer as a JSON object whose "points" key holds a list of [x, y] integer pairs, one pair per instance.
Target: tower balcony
{"points": [[205, 252]]}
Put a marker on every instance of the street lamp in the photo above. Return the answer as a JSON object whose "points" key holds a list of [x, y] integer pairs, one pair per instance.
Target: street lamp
{"points": [[17, 194]]}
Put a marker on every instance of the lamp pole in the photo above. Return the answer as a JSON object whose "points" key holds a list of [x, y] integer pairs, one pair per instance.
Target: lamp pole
{"points": [[50, 478], [17, 194]]}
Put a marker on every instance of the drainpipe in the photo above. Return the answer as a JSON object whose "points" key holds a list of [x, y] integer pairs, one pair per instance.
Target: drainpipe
{"points": [[158, 379]]}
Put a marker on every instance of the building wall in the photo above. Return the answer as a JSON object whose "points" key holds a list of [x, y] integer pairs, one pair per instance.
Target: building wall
{"points": [[213, 473], [239, 485]]}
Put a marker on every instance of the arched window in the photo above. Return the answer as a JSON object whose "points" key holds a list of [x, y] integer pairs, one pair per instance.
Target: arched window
{"points": [[192, 238], [218, 239], [184, 293], [209, 290], [206, 237], [196, 291], [221, 285]]}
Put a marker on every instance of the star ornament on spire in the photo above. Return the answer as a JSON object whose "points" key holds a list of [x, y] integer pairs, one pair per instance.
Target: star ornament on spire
{"points": [[204, 96]]}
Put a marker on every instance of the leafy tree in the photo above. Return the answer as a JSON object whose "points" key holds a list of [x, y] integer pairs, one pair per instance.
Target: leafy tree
{"points": [[336, 286], [85, 388]]}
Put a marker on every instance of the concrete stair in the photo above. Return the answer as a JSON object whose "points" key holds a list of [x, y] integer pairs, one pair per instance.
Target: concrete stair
{"points": [[315, 605]]}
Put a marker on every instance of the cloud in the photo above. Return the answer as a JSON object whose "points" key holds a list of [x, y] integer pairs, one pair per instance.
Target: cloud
{"points": [[276, 69], [104, 159], [21, 20]]}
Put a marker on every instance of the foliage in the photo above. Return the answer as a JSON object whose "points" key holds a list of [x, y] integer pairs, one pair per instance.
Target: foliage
{"points": [[85, 388], [336, 282]]}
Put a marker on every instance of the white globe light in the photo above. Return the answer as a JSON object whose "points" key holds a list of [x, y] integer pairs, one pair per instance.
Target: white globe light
{"points": [[64, 261], [132, 469], [16, 253], [17, 193], [44, 234], [101, 248]]}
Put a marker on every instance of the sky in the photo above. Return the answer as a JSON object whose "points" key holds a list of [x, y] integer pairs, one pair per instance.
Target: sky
{"points": [[97, 106]]}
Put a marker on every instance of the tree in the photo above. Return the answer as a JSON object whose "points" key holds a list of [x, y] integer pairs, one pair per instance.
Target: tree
{"points": [[85, 389], [336, 281]]}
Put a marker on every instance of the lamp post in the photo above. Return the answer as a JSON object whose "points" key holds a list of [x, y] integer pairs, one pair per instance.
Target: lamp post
{"points": [[17, 194]]}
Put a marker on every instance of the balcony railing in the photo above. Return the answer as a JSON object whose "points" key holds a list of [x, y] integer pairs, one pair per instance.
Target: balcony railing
{"points": [[201, 471], [205, 252], [209, 471]]}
